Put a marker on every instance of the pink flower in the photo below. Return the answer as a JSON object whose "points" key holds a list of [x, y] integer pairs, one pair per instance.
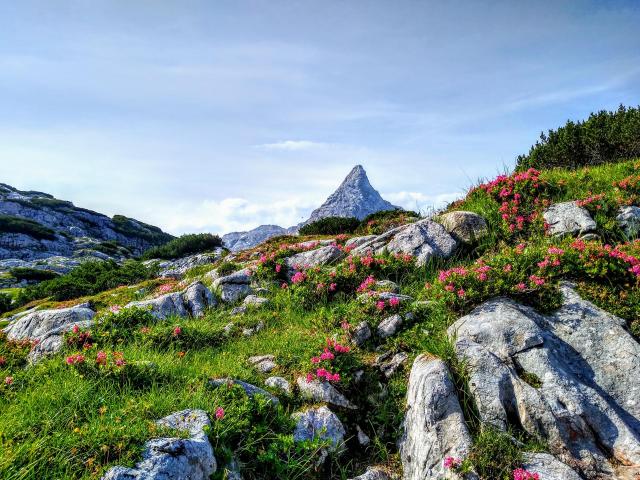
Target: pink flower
{"points": [[145, 330], [76, 329], [341, 349], [507, 268], [219, 413], [101, 358], [537, 280], [333, 378], [8, 380], [461, 293], [298, 277], [177, 331], [165, 288], [521, 287], [115, 309], [380, 305], [315, 359], [278, 268], [451, 463], [284, 285], [332, 287], [321, 372], [75, 359], [450, 287], [522, 474], [345, 325], [394, 301], [309, 377], [555, 251]]}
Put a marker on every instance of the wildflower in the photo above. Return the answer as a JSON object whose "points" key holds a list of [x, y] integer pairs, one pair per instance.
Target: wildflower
{"points": [[521, 287], [341, 348], [278, 268], [284, 285], [101, 358], [177, 331], [555, 251], [75, 359], [76, 329], [315, 359], [3, 361], [219, 413], [333, 378], [115, 309], [461, 293], [332, 287], [507, 268], [8, 380], [309, 377], [165, 288], [394, 301], [298, 277], [537, 280], [327, 355], [345, 325], [145, 330], [522, 474], [181, 354], [380, 305], [321, 372], [520, 248], [451, 463]]}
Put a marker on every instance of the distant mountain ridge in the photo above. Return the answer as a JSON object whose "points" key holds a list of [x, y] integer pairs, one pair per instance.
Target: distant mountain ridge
{"points": [[355, 197], [36, 226]]}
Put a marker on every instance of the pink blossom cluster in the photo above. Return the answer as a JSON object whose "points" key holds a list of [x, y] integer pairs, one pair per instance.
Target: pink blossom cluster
{"points": [[165, 288], [298, 277], [115, 309], [219, 413], [393, 302], [366, 284], [451, 463], [75, 359], [591, 199], [522, 474], [8, 380], [328, 355]]}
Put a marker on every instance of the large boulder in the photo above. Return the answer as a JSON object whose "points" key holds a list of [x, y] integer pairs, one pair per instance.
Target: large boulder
{"points": [[466, 227], [174, 458], [548, 467], [314, 258], [568, 218], [233, 287], [321, 391], [320, 423], [423, 240], [570, 377], [373, 473], [434, 426], [162, 307], [629, 220], [198, 298], [46, 328]]}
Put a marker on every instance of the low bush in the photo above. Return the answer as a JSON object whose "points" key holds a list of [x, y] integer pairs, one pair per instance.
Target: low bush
{"points": [[184, 245], [5, 302], [11, 224], [32, 274], [330, 226], [604, 137], [380, 222]]}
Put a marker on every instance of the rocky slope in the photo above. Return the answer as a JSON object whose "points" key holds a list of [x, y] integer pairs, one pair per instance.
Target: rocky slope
{"points": [[355, 197], [40, 231]]}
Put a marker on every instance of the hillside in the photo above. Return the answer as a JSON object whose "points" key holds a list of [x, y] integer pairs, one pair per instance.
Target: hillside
{"points": [[40, 231], [498, 340]]}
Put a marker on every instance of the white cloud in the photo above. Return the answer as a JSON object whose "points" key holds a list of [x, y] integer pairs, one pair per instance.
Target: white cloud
{"points": [[294, 145]]}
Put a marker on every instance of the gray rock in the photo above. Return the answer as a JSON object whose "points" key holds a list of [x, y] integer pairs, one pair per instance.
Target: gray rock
{"points": [[278, 383], [388, 368], [170, 304], [178, 268], [587, 364], [386, 286], [247, 332], [567, 218], [434, 426], [255, 301], [390, 326], [250, 390], [320, 423], [233, 287], [174, 458], [239, 310], [264, 363], [361, 333], [357, 241], [237, 241], [320, 391], [363, 438], [548, 467], [466, 227], [373, 296], [373, 473], [198, 298], [629, 220], [314, 258], [47, 328]]}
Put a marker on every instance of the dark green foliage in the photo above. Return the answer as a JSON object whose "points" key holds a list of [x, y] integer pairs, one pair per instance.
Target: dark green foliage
{"points": [[135, 228], [11, 224], [32, 274], [87, 279], [604, 137], [331, 226], [5, 302], [111, 247], [184, 245], [226, 268], [379, 222]]}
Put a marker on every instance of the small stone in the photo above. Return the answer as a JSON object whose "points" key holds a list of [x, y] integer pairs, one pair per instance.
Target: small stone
{"points": [[241, 310], [321, 391], [278, 383], [568, 218], [319, 423], [264, 363], [389, 368], [390, 325], [363, 439], [361, 333], [254, 301]]}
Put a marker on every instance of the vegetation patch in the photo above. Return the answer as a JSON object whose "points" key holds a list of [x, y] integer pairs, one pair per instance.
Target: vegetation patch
{"points": [[12, 224], [184, 245], [330, 226]]}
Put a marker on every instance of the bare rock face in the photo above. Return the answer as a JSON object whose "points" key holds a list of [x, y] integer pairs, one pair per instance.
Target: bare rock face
{"points": [[236, 241], [434, 426], [423, 240], [197, 299], [320, 391], [47, 328], [548, 467], [567, 218], [174, 458], [373, 473], [314, 258], [570, 377], [194, 301], [466, 227]]}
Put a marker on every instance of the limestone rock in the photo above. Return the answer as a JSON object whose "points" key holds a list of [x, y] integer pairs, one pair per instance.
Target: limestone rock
{"points": [[390, 326], [250, 390], [466, 227], [170, 304], [177, 268], [320, 391], [548, 467], [390, 366], [264, 363], [174, 458], [314, 258], [629, 220], [434, 426], [233, 287], [254, 301], [567, 218], [320, 423], [373, 473], [198, 299], [278, 383], [357, 241], [361, 333]]}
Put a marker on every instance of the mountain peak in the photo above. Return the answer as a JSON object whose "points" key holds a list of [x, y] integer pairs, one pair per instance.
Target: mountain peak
{"points": [[355, 197]]}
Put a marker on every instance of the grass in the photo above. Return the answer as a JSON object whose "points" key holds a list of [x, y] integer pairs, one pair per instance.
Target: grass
{"points": [[59, 421]]}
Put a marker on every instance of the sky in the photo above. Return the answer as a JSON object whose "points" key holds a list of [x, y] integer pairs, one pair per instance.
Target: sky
{"points": [[216, 116]]}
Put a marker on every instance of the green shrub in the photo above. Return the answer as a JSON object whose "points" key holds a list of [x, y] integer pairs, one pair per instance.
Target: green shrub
{"points": [[11, 224], [5, 302], [32, 274], [87, 279], [604, 137], [330, 226], [227, 268], [135, 228], [379, 222], [184, 245]]}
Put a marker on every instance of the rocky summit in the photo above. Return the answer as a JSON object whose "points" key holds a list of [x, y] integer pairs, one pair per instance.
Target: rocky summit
{"points": [[40, 231]]}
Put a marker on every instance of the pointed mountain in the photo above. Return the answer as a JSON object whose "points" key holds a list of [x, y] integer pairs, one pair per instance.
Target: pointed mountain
{"points": [[355, 197]]}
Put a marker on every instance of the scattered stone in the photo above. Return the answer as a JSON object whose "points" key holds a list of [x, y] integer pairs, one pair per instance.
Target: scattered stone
{"points": [[373, 296], [264, 363], [373, 473], [363, 438], [47, 328], [240, 310], [320, 391], [567, 218], [229, 327], [586, 365], [250, 390], [358, 376], [320, 423], [278, 383], [386, 286], [388, 368], [233, 287], [254, 301], [548, 467], [232, 470], [629, 220], [314, 258], [466, 227], [194, 301], [247, 332], [174, 458], [434, 425], [361, 333], [198, 299], [390, 325], [177, 268]]}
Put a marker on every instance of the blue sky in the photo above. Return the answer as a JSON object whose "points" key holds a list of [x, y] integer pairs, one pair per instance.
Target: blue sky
{"points": [[223, 115]]}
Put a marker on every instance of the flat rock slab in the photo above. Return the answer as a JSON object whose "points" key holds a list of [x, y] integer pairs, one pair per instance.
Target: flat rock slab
{"points": [[568, 218], [320, 391]]}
